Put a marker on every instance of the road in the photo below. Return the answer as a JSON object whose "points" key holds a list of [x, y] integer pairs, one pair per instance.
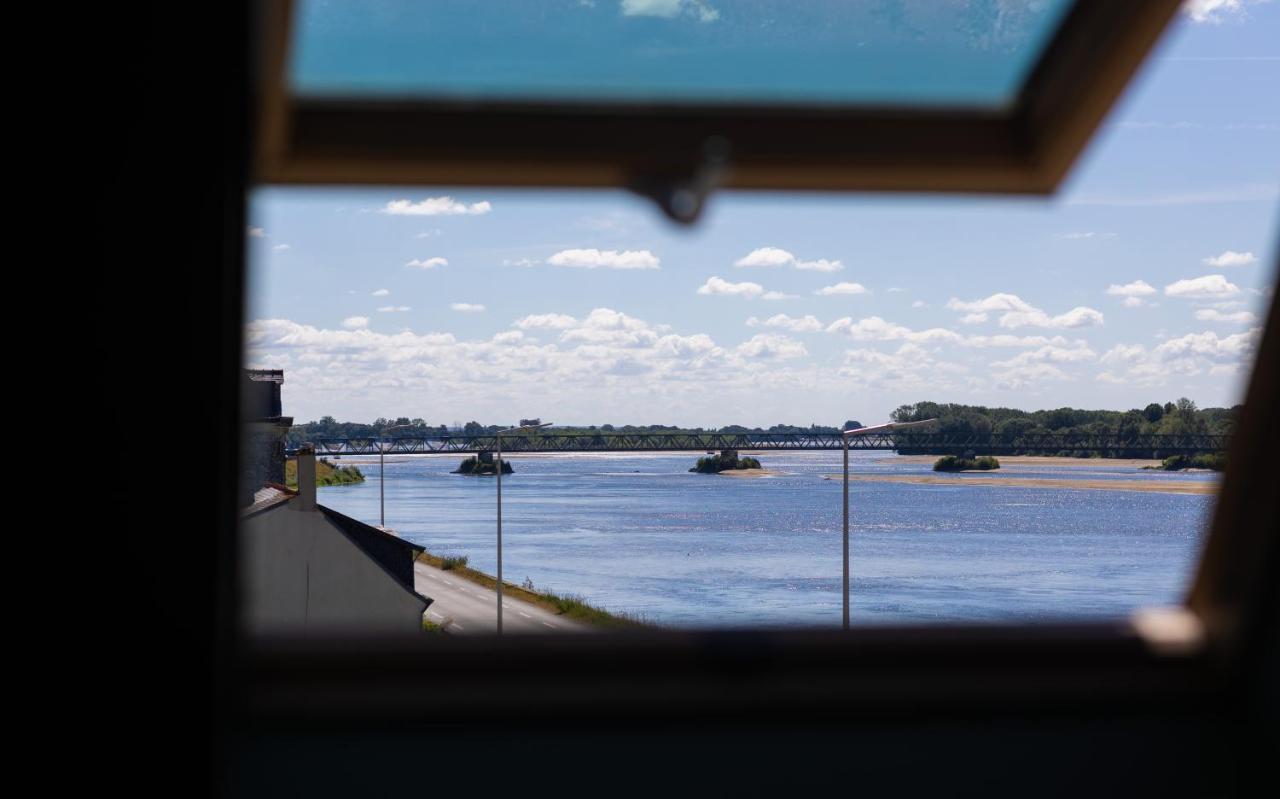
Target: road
{"points": [[465, 608]]}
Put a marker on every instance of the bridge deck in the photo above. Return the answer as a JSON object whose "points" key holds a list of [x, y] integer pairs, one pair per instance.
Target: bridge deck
{"points": [[922, 443]]}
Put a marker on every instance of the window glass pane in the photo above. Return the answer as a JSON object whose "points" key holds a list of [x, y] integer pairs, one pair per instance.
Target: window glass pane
{"points": [[901, 53]]}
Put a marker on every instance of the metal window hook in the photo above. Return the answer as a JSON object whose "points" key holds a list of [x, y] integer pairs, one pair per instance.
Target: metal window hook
{"points": [[683, 196]]}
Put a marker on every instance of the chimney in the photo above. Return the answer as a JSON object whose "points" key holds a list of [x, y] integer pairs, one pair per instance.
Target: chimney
{"points": [[306, 479]]}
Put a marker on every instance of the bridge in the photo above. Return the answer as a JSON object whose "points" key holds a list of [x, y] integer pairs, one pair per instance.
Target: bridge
{"points": [[904, 442]]}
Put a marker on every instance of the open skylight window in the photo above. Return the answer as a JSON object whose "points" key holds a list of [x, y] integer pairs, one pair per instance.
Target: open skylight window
{"points": [[973, 54], [675, 98]]}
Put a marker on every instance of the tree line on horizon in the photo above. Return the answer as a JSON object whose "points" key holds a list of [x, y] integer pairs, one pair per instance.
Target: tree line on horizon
{"points": [[329, 427], [1181, 416], [1172, 418]]}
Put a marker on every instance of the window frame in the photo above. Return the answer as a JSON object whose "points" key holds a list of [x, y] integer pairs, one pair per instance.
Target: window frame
{"points": [[1209, 654], [1026, 148]]}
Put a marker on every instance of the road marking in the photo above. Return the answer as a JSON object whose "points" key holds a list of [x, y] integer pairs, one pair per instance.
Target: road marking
{"points": [[459, 626], [526, 615], [433, 613], [549, 624]]}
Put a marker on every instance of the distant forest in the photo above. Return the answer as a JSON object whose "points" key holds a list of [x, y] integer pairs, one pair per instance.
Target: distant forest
{"points": [[1180, 416], [328, 427]]}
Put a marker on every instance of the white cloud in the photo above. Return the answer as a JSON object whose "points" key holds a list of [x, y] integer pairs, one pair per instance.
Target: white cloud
{"points": [[428, 263], [510, 337], [841, 289], [996, 302], [355, 322], [466, 307], [520, 262], [1211, 10], [1006, 340], [1209, 345], [910, 368], [394, 309], [717, 286], [1209, 287], [1017, 312], [1138, 288], [1079, 316], [255, 233], [1230, 258], [773, 256], [281, 247], [1124, 353], [1214, 315], [919, 304], [974, 319], [605, 259], [1184, 356], [802, 324], [546, 321], [1021, 378], [435, 206], [381, 293], [873, 328], [1132, 292], [699, 9], [1047, 354], [771, 345]]}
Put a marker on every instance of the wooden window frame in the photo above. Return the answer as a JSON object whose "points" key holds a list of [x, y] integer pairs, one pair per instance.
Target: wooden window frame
{"points": [[1210, 654]]}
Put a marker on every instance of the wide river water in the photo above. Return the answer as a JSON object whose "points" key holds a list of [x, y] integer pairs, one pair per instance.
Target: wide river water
{"points": [[639, 533]]}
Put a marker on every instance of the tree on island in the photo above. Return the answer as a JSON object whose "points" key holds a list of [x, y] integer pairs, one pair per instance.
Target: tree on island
{"points": [[726, 461], [482, 465]]}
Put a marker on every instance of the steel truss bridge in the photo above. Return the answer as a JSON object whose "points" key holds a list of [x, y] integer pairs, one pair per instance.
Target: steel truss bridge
{"points": [[1148, 446]]}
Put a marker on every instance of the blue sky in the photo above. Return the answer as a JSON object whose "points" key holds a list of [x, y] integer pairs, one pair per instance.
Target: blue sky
{"points": [[1144, 279]]}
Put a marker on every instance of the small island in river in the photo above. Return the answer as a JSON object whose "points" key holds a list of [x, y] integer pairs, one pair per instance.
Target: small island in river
{"points": [[726, 461], [952, 463], [482, 465]]}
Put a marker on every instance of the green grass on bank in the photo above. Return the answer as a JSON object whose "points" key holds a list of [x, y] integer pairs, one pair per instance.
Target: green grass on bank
{"points": [[570, 606], [326, 474], [431, 628]]}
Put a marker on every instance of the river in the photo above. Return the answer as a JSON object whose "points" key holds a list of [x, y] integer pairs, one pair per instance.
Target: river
{"points": [[638, 533]]}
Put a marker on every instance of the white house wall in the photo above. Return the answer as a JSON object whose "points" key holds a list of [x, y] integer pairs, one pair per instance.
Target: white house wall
{"points": [[301, 574]]}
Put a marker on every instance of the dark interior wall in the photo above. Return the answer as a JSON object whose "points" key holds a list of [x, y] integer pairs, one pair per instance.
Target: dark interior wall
{"points": [[160, 121]]}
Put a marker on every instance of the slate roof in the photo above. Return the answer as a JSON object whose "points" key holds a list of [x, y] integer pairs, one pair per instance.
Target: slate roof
{"points": [[268, 496], [393, 552]]}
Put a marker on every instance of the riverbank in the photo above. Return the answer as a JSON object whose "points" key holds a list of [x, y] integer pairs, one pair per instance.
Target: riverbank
{"points": [[327, 474], [1036, 460], [568, 606], [749, 473], [1153, 485]]}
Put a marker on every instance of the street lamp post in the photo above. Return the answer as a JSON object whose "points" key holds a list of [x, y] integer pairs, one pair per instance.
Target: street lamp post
{"points": [[533, 424], [845, 436], [382, 473]]}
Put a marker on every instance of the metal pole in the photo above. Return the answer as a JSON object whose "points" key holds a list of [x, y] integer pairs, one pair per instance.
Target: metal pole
{"points": [[845, 579], [498, 439], [382, 485]]}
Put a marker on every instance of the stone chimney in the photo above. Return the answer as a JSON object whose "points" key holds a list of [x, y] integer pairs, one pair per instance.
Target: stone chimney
{"points": [[263, 430], [306, 479]]}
